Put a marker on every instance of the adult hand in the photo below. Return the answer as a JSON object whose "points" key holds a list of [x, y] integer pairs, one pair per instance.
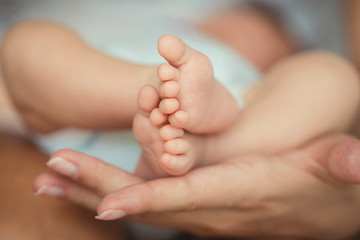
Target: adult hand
{"points": [[300, 193]]}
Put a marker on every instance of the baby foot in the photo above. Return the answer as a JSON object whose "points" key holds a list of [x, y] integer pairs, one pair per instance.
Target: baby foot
{"points": [[165, 151], [194, 100]]}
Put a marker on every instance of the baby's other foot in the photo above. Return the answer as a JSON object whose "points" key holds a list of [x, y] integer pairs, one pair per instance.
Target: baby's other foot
{"points": [[164, 151], [191, 96]]}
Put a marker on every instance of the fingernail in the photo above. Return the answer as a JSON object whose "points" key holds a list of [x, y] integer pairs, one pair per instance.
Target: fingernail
{"points": [[50, 191], [64, 167], [111, 214]]}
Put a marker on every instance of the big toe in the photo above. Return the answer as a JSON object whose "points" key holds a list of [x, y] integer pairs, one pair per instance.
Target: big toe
{"points": [[174, 50], [148, 98]]}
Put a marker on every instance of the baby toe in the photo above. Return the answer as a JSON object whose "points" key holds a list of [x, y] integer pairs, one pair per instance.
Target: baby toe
{"points": [[175, 164], [169, 105], [148, 98], [176, 146], [157, 117], [169, 132], [167, 72], [179, 119], [169, 89]]}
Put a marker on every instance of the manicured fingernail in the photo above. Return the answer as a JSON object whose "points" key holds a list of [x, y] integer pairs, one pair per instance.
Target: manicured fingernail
{"points": [[50, 191], [111, 214], [64, 167]]}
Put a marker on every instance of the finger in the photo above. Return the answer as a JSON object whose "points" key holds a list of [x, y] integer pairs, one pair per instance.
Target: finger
{"points": [[343, 162], [57, 186], [90, 171], [226, 184]]}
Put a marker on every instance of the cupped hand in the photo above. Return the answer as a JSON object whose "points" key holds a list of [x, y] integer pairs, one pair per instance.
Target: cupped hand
{"points": [[301, 193]]}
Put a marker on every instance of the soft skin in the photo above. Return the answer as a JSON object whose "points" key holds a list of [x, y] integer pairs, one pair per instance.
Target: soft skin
{"points": [[298, 193]]}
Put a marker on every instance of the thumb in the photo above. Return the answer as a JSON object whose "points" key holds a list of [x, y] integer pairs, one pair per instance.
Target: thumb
{"points": [[343, 161], [218, 186]]}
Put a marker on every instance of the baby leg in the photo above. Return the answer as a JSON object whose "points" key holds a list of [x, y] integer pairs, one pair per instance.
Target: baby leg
{"points": [[56, 80], [300, 98]]}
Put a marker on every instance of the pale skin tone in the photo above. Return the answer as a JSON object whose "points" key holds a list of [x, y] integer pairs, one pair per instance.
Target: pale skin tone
{"points": [[213, 226], [316, 201], [63, 50], [319, 87], [194, 100], [328, 192]]}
